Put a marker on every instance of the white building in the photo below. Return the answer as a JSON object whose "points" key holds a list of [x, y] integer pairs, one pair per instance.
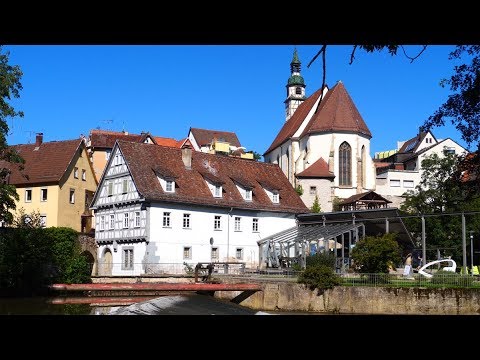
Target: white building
{"points": [[323, 146], [160, 207], [400, 170]]}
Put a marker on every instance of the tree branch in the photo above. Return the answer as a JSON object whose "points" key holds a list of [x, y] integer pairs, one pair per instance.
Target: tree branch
{"points": [[322, 50], [352, 55], [412, 59]]}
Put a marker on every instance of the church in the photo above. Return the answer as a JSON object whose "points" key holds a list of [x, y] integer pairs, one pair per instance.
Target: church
{"points": [[323, 148]]}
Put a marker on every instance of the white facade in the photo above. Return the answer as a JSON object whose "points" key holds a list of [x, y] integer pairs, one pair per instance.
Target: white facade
{"points": [[392, 183]]}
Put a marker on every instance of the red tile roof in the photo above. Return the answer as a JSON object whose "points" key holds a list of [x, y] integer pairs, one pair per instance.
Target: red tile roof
{"points": [[191, 187], [106, 139], [319, 169], [291, 126], [337, 113], [366, 196], [204, 137], [45, 164], [167, 141]]}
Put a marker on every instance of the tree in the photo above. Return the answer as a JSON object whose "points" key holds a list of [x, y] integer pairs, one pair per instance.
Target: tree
{"points": [[375, 254], [10, 86], [462, 108], [316, 205], [442, 189]]}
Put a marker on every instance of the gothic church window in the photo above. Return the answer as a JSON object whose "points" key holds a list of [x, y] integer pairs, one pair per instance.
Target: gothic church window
{"points": [[345, 164]]}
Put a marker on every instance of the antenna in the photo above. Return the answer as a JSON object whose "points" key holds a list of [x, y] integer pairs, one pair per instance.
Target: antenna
{"points": [[30, 132], [107, 121]]}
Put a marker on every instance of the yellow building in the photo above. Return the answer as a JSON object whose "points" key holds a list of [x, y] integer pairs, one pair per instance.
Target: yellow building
{"points": [[57, 181]]}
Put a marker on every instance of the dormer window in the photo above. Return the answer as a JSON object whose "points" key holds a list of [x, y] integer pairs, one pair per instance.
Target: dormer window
{"points": [[248, 194], [169, 186], [214, 183], [218, 191], [275, 197]]}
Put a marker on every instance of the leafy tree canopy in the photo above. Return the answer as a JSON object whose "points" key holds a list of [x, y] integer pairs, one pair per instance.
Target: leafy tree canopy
{"points": [[10, 86], [376, 254]]}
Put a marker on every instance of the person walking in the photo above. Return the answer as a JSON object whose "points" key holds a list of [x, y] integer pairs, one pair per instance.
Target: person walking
{"points": [[408, 265]]}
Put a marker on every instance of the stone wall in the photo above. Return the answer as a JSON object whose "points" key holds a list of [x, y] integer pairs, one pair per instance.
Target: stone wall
{"points": [[291, 296]]}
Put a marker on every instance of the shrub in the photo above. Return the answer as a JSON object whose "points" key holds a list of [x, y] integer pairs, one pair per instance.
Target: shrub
{"points": [[375, 254], [326, 259], [450, 278], [319, 277]]}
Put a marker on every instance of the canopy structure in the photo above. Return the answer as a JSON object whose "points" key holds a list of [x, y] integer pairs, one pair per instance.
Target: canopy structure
{"points": [[366, 200], [291, 246]]}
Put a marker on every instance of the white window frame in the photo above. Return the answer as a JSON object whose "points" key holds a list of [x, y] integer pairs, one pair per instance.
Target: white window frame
{"points": [[72, 196], [408, 184], [217, 192], [313, 190], [75, 173], [43, 220], [112, 222], [187, 253], [84, 175], [239, 253], [214, 253], [126, 222], [166, 219], [169, 186], [395, 183], [248, 194], [110, 188], [28, 195], [217, 223], [43, 194], [137, 219], [124, 186], [255, 222], [275, 197], [238, 224], [186, 221], [127, 258], [102, 223]]}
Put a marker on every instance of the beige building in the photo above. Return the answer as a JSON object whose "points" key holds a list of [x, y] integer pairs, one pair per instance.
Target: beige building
{"points": [[57, 181]]}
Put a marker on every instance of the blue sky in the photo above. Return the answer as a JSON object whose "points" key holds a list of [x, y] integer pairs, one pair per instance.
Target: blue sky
{"points": [[166, 89]]}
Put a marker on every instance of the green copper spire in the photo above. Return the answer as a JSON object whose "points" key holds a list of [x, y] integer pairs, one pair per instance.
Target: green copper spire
{"points": [[295, 59], [295, 65]]}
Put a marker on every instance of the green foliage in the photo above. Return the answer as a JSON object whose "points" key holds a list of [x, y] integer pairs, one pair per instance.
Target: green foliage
{"points": [[257, 156], [375, 254], [441, 191], [451, 279], [188, 268], [336, 203], [10, 86], [316, 205], [321, 259], [33, 257], [319, 277], [299, 190]]}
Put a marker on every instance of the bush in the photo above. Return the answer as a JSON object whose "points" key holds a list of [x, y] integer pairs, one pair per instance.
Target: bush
{"points": [[326, 259], [450, 278], [77, 271], [375, 254], [319, 277]]}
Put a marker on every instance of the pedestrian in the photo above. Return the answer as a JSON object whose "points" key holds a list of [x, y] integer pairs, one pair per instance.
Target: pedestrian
{"points": [[408, 265]]}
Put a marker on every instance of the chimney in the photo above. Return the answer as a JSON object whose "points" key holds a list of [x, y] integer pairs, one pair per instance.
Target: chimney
{"points": [[39, 139], [187, 157]]}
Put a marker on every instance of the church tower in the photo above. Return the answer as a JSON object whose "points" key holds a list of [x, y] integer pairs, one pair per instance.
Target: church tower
{"points": [[295, 87]]}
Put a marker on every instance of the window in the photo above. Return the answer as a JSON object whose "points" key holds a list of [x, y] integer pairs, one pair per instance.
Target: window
{"points": [[298, 91], [408, 184], [217, 223], [125, 220], [169, 186], [214, 254], [125, 186], [345, 164], [239, 253], [110, 188], [107, 154], [43, 220], [186, 221], [127, 263], [395, 183], [72, 196], [275, 197], [102, 223], [112, 222], [43, 194], [75, 173], [218, 191], [137, 219], [255, 225], [449, 151], [84, 175], [28, 195], [166, 219], [187, 252], [313, 190], [248, 194], [237, 223]]}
